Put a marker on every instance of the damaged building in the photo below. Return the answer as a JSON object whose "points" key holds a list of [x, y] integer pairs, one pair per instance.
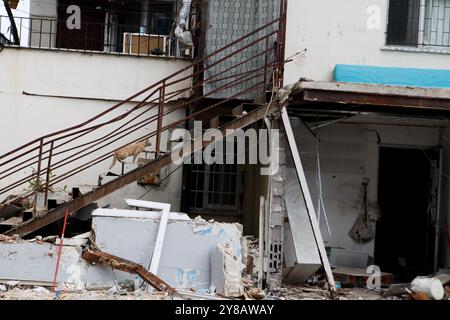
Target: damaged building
{"points": [[350, 191]]}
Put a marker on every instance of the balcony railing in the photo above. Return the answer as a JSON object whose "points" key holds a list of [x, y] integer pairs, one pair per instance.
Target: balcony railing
{"points": [[110, 38]]}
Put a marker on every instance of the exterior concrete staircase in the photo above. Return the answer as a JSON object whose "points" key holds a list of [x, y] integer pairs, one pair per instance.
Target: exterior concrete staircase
{"points": [[73, 150]]}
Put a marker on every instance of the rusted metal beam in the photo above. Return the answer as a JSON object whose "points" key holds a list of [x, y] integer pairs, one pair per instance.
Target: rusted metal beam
{"points": [[106, 259], [107, 188], [376, 100]]}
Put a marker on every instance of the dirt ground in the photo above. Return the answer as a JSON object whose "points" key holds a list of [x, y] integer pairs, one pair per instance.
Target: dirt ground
{"points": [[29, 294], [291, 293]]}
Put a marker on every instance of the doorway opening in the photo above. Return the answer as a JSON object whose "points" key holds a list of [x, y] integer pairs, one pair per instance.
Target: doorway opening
{"points": [[407, 195]]}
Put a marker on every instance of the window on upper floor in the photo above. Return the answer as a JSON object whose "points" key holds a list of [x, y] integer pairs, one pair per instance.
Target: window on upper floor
{"points": [[419, 23], [131, 27]]}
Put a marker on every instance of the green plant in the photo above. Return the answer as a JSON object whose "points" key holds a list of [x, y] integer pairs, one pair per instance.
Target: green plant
{"points": [[39, 185]]}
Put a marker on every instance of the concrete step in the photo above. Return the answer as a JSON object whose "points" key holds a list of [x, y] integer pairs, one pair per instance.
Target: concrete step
{"points": [[220, 120], [245, 108]]}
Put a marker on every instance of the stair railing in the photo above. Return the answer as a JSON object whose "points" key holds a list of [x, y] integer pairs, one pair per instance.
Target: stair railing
{"points": [[55, 157]]}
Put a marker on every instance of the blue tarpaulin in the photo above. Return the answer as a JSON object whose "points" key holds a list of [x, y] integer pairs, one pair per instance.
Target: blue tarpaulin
{"points": [[433, 78]]}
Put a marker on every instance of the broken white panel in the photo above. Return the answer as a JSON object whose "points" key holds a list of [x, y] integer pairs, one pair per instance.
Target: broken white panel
{"points": [[307, 200], [300, 251], [135, 214], [226, 271], [185, 259], [36, 262]]}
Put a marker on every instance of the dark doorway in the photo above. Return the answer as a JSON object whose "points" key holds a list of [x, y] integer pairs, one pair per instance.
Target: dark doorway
{"points": [[91, 34], [404, 242]]}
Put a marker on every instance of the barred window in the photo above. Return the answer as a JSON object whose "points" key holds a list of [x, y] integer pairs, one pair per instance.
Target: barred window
{"points": [[419, 23]]}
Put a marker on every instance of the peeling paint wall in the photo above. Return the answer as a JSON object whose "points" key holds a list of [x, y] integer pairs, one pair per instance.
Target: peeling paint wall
{"points": [[84, 84]]}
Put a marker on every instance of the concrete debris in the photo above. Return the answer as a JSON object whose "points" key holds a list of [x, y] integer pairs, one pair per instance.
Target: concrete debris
{"points": [[396, 290], [2, 288], [226, 271], [28, 294], [9, 239], [255, 293], [98, 257], [73, 242], [12, 284], [251, 258], [40, 290], [186, 255]]}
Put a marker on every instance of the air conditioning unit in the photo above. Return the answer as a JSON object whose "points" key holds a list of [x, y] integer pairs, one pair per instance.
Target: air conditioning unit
{"points": [[144, 44]]}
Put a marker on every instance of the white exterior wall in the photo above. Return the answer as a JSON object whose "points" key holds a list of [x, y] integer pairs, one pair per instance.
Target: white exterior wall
{"points": [[336, 32], [86, 84]]}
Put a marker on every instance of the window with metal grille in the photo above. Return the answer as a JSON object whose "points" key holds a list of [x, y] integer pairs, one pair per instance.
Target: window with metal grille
{"points": [[419, 23], [215, 188]]}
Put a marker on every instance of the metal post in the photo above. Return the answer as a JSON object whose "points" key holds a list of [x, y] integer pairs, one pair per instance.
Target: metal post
{"points": [[47, 178], [281, 38], [50, 35], [40, 34], [38, 173], [160, 118]]}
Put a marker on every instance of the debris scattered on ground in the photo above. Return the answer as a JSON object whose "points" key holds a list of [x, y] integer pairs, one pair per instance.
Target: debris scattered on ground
{"points": [[98, 257], [29, 294], [356, 277], [255, 293], [424, 287]]}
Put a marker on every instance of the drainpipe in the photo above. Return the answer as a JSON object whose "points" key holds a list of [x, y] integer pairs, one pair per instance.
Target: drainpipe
{"points": [[14, 32]]}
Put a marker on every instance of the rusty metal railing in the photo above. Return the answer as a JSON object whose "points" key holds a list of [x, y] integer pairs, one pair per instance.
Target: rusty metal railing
{"points": [[53, 158], [107, 38]]}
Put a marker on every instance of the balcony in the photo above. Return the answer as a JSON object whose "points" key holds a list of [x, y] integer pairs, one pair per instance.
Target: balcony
{"points": [[105, 38]]}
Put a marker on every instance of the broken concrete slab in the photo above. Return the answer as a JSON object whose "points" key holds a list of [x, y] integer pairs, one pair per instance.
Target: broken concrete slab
{"points": [[226, 271], [35, 262], [300, 251], [185, 259]]}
